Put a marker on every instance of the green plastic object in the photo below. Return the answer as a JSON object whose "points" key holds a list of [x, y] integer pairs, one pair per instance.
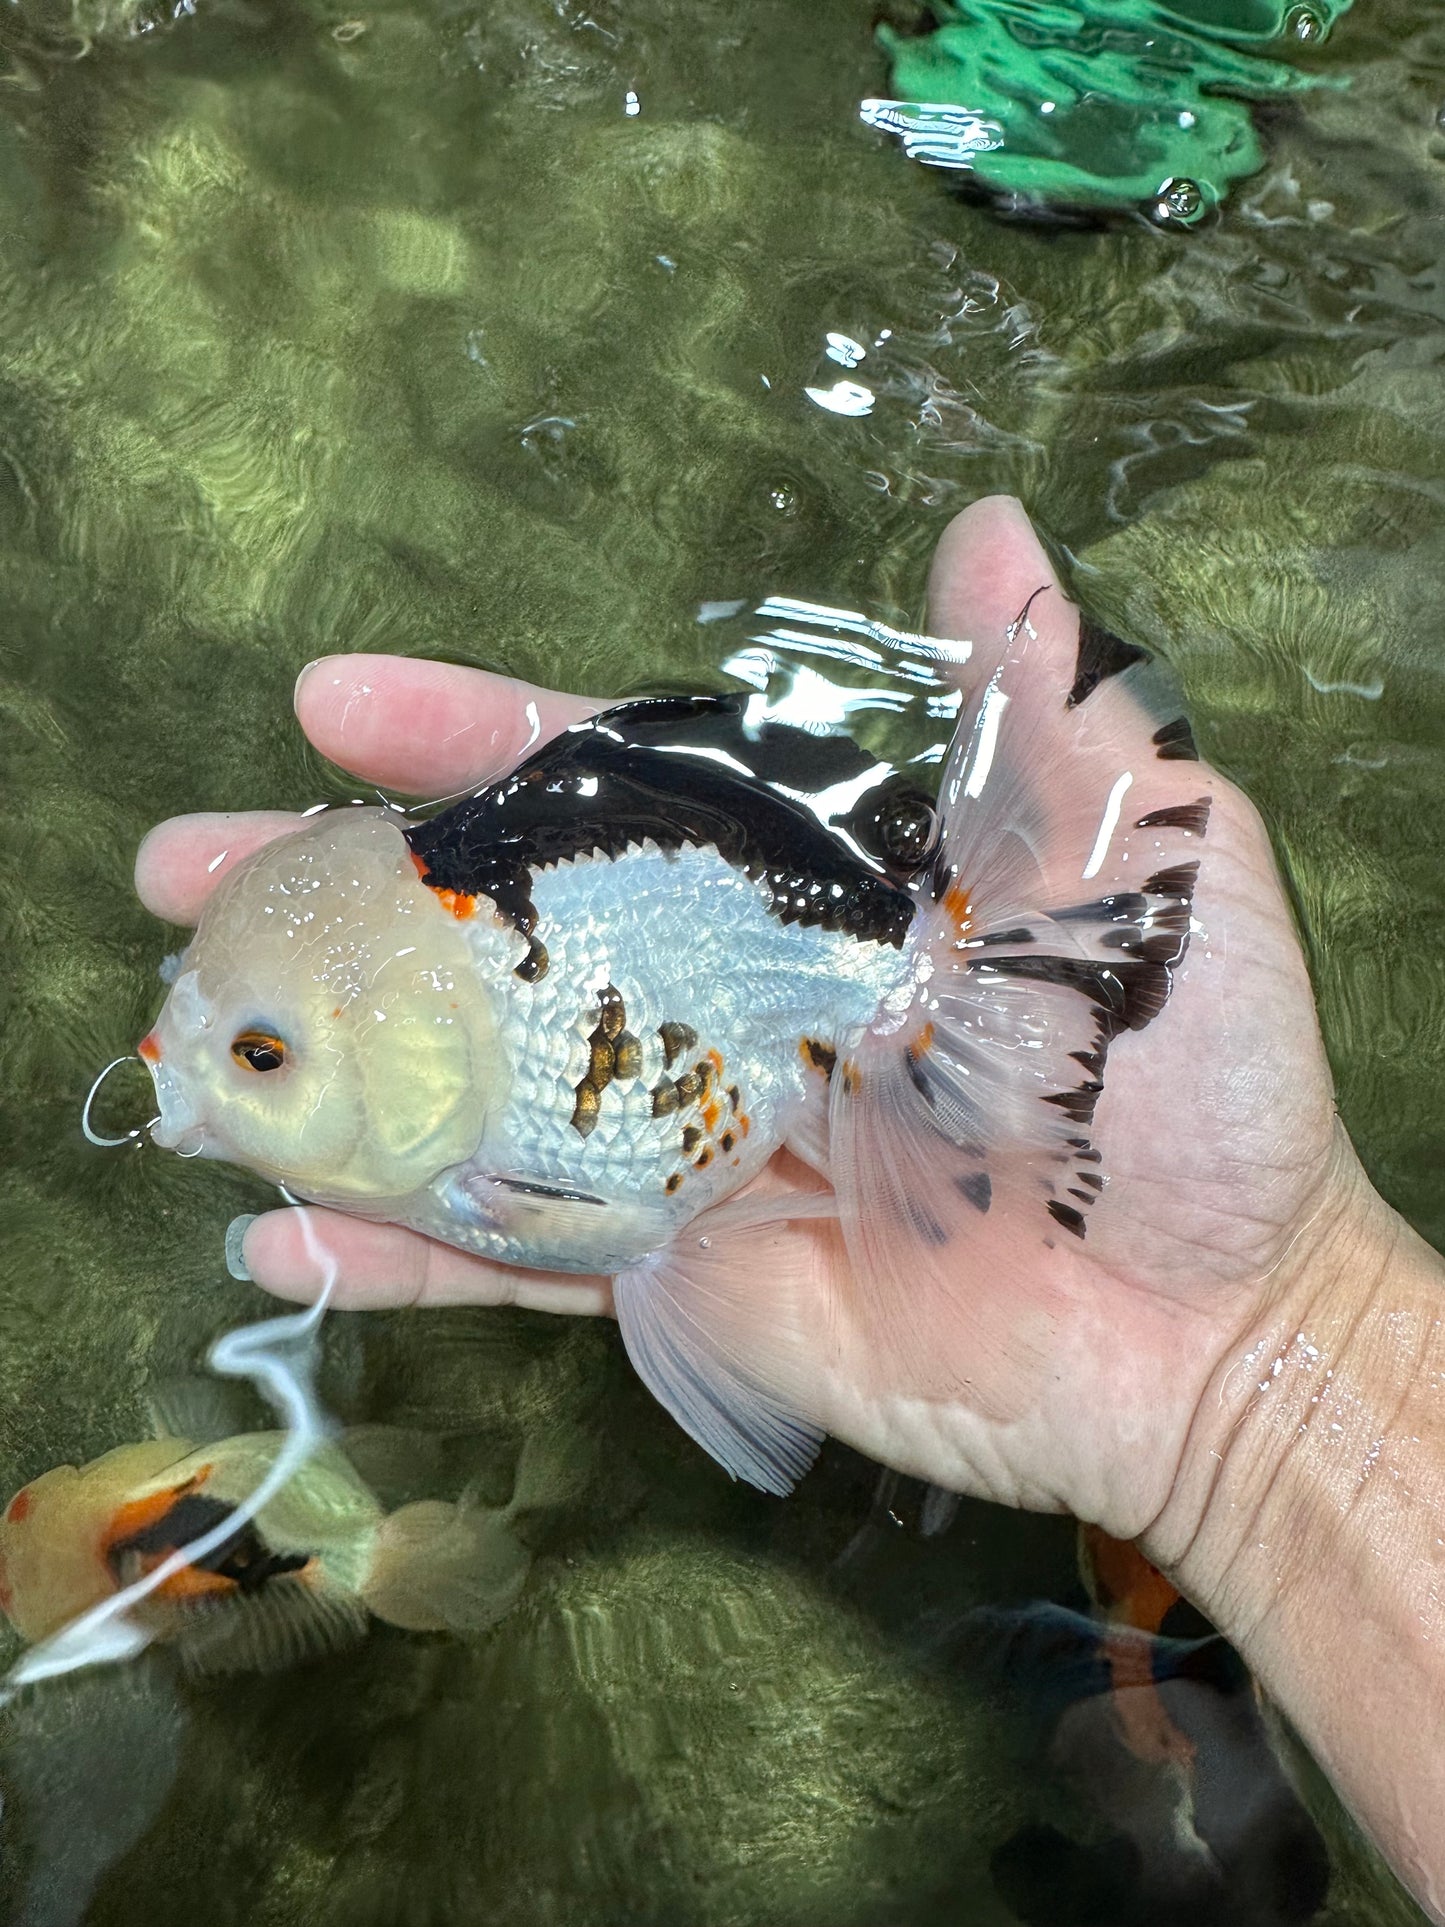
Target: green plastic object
{"points": [[1098, 103]]}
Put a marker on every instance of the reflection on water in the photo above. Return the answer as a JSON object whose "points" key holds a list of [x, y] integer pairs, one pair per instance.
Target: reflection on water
{"points": [[607, 346]]}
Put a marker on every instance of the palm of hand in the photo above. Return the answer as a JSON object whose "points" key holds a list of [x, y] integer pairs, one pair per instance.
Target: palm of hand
{"points": [[1215, 1129]]}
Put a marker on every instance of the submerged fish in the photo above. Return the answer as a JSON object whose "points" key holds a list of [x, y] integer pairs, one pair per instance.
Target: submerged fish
{"points": [[304, 1572], [561, 1022], [1153, 1723]]}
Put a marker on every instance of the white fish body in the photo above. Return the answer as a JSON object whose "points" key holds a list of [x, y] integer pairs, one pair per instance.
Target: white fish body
{"points": [[561, 1022]]}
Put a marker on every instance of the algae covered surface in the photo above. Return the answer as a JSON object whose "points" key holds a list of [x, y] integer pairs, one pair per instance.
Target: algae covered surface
{"points": [[489, 331]]}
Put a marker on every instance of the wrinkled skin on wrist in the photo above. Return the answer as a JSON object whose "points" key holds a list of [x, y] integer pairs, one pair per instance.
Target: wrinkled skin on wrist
{"points": [[1215, 1127]]}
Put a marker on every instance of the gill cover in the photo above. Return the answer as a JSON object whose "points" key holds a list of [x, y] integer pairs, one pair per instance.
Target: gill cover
{"points": [[328, 1028]]}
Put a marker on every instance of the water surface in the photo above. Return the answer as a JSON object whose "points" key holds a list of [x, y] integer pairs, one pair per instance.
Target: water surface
{"points": [[489, 331]]}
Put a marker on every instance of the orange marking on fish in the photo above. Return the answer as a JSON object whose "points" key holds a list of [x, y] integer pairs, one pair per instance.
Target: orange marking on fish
{"points": [[19, 1506], [1143, 1719], [957, 909], [711, 1114], [457, 901], [922, 1043], [1127, 1587], [192, 1582], [148, 1050], [137, 1514]]}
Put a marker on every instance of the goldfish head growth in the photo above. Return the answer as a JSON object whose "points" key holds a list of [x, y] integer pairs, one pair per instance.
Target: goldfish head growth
{"points": [[56, 1531], [328, 1028]]}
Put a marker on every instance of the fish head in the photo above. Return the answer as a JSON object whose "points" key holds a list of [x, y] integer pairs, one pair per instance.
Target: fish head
{"points": [[328, 1027], [33, 1529]]}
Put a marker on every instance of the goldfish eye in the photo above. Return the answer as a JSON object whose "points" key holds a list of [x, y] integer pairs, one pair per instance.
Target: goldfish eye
{"points": [[259, 1050]]}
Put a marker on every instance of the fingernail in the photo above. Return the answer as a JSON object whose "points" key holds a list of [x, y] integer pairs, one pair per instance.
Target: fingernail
{"points": [[306, 671], [235, 1247]]}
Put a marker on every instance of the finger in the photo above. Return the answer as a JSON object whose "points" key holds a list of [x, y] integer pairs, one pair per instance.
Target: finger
{"points": [[989, 566], [292, 1254], [429, 728], [181, 861]]}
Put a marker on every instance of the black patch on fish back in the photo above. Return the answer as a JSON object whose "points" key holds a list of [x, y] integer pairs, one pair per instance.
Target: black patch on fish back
{"points": [[1101, 654], [244, 1557], [678, 771]]}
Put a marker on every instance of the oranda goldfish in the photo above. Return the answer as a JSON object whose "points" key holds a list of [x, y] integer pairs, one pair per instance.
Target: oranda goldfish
{"points": [[303, 1573], [560, 1022]]}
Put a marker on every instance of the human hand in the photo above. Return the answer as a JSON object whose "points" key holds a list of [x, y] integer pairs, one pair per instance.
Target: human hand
{"points": [[1215, 1128]]}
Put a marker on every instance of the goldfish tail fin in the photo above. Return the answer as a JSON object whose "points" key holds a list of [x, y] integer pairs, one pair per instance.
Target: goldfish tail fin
{"points": [[439, 1567], [691, 1315], [1055, 908], [289, 1621]]}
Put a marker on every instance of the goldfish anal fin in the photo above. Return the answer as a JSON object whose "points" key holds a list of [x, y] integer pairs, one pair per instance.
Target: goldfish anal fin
{"points": [[709, 1325]]}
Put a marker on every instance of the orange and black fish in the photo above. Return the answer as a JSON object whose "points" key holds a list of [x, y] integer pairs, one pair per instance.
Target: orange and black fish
{"points": [[303, 1572]]}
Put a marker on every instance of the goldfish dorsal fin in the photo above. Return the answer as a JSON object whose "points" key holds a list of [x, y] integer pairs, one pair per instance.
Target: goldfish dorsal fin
{"points": [[689, 1316], [291, 1620]]}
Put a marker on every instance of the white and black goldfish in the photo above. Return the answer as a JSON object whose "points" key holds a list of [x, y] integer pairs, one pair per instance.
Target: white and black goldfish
{"points": [[559, 1023], [304, 1571]]}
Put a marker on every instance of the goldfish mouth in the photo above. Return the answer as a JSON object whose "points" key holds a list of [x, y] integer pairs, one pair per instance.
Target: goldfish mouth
{"points": [[178, 1128]]}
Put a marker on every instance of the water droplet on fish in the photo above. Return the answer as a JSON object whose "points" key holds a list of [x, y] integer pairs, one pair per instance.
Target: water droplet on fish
{"points": [[1179, 200], [784, 499]]}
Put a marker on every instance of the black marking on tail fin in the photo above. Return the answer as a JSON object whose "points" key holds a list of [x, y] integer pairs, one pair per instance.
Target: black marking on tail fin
{"points": [[1193, 817], [1175, 742], [1127, 907], [1020, 935], [1147, 932], [1126, 995], [1177, 881], [1101, 655], [977, 1187]]}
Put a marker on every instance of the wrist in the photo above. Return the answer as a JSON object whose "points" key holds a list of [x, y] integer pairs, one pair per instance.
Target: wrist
{"points": [[1308, 1516], [1300, 1375]]}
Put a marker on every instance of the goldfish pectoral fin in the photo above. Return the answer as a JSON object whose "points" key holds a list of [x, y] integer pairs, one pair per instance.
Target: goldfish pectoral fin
{"points": [[711, 1328], [288, 1621], [444, 1568]]}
